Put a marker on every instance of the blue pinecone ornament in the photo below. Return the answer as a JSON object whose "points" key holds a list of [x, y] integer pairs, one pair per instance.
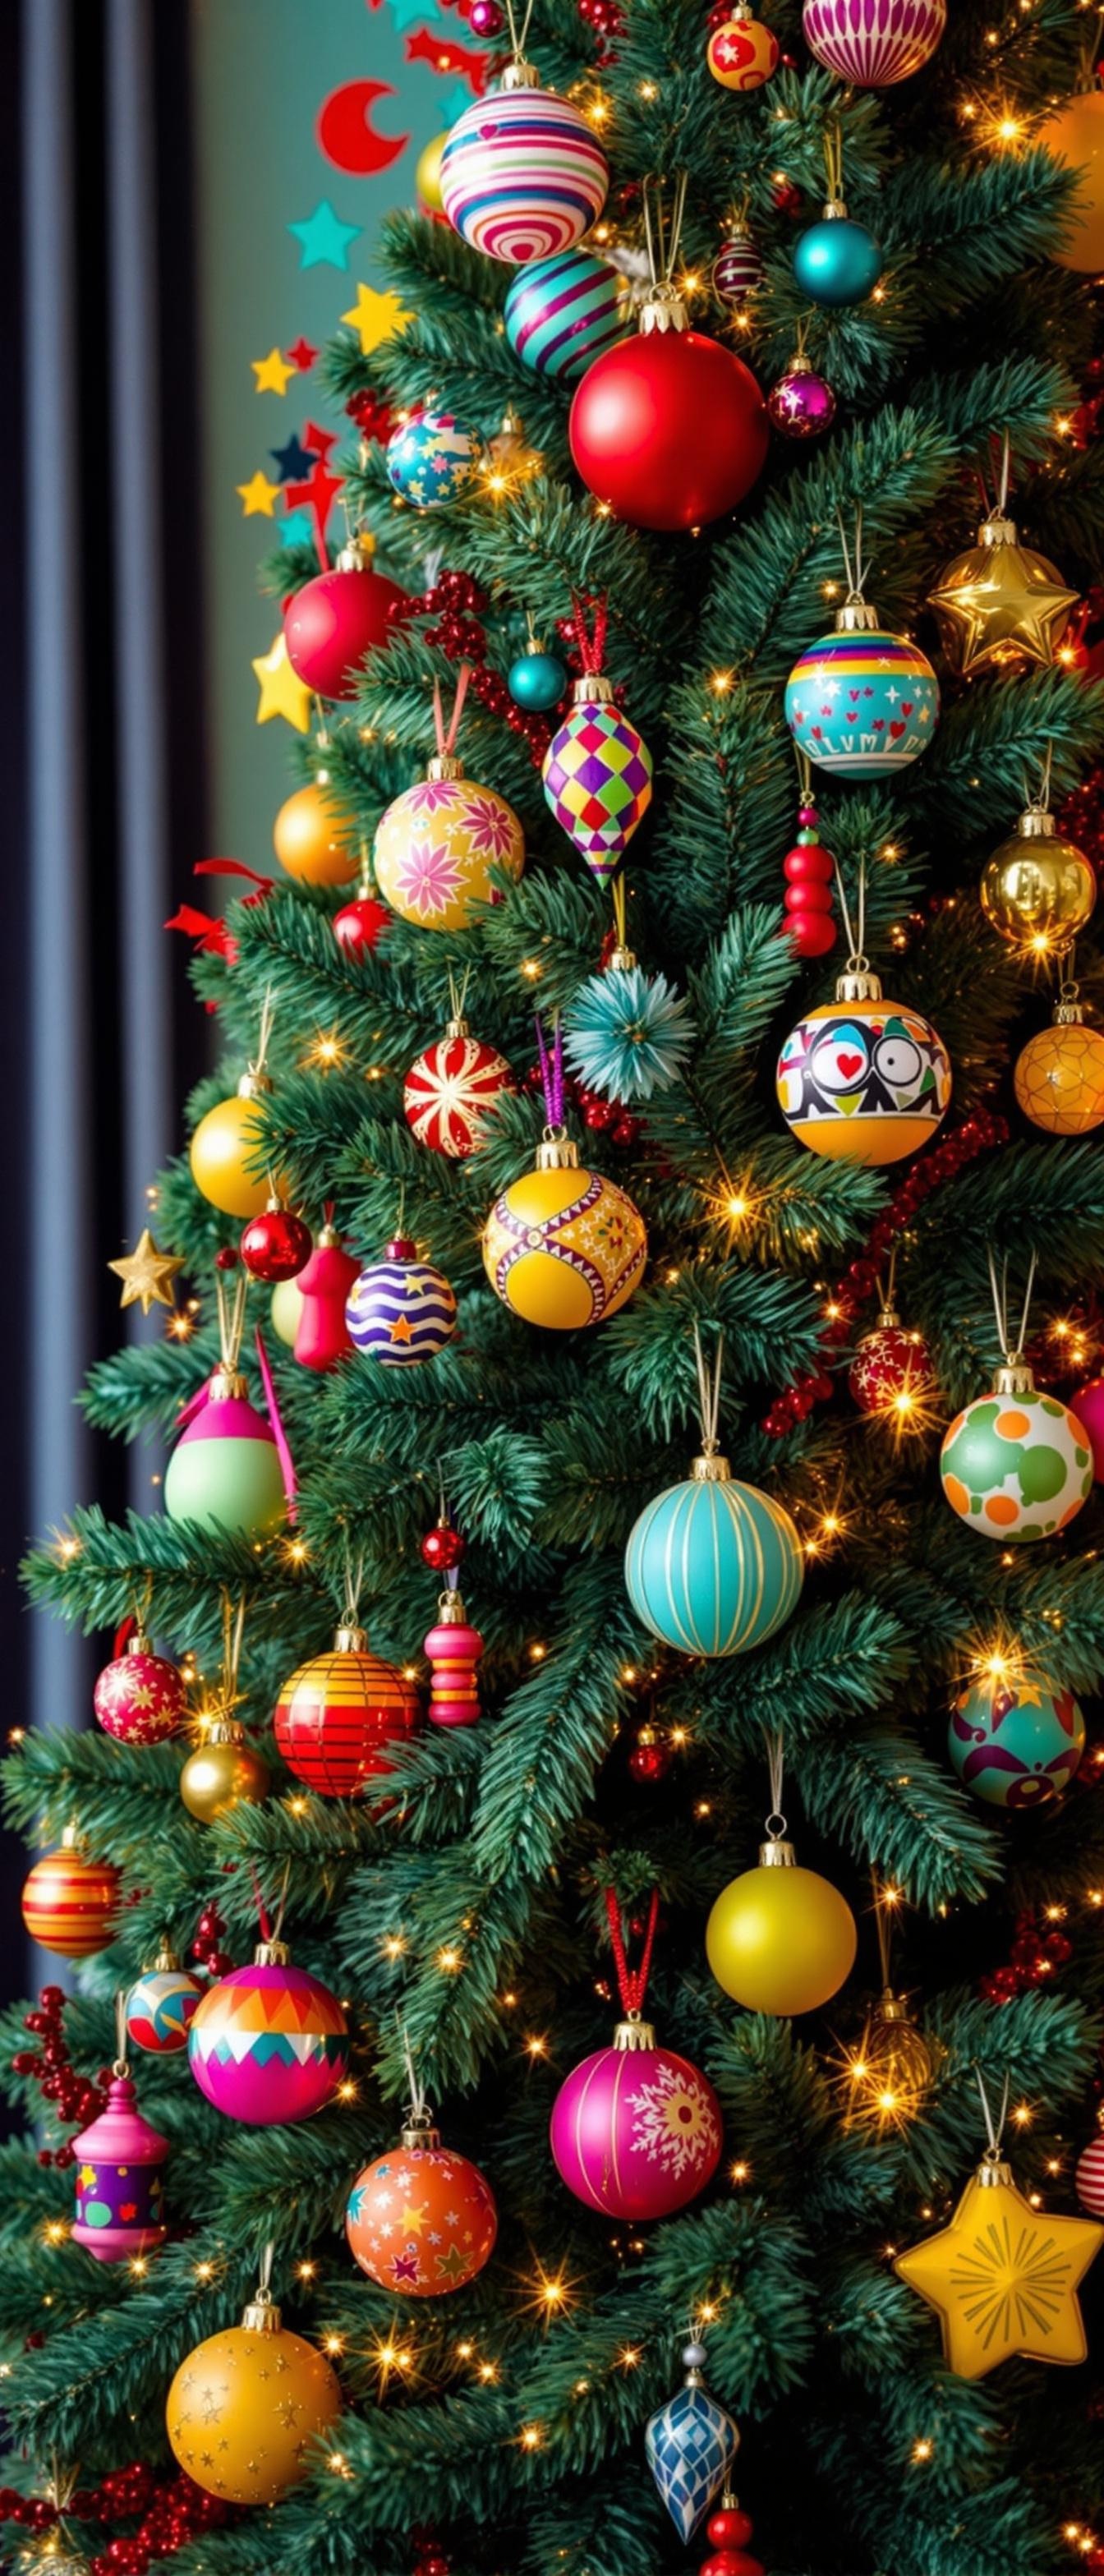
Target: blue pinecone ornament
{"points": [[691, 2444], [626, 1034]]}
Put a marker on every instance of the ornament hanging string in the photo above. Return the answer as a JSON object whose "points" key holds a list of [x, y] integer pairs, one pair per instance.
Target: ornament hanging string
{"points": [[446, 736], [709, 1392], [1037, 799], [231, 1318], [352, 1585], [853, 564], [833, 161], [264, 1033], [419, 2115], [552, 1075], [857, 959], [998, 507], [776, 1762], [120, 2066], [1012, 1354], [662, 239], [591, 647], [517, 42], [632, 1983], [458, 991], [270, 1928], [804, 774], [994, 2132]]}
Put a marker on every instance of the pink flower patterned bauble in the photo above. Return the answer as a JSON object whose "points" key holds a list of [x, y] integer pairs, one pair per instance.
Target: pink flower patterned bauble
{"points": [[436, 846], [891, 1371], [874, 43], [636, 2131], [421, 2220], [1089, 2177], [140, 1698], [449, 1089], [269, 2042]]}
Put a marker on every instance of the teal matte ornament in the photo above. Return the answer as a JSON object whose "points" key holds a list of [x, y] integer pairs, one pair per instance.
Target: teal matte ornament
{"points": [[536, 680], [837, 262], [627, 1034], [713, 1566]]}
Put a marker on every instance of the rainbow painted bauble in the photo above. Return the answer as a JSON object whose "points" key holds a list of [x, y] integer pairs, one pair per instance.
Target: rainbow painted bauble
{"points": [[1014, 1740], [564, 1247], [636, 2130], [225, 1470], [313, 840], [140, 1698], [431, 459], [861, 1079], [336, 1716], [1087, 1407], [670, 428], [741, 52], [437, 844], [322, 1335], [337, 619], [837, 262], [1038, 890], [737, 272], [246, 2406], [801, 404], [522, 173], [873, 43], [421, 2220], [401, 1310], [71, 1904], [1059, 1075], [1089, 2175], [269, 2042], [449, 1090], [862, 702], [597, 776], [690, 2445], [537, 681], [226, 1144], [1016, 1464], [1075, 134], [892, 1371], [453, 1649], [224, 1772], [562, 313], [781, 1939], [160, 2006], [118, 2180], [713, 1566]]}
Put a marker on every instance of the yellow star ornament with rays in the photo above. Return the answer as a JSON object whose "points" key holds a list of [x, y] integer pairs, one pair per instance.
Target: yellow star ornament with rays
{"points": [[283, 693], [1003, 2277], [1001, 604], [375, 317]]}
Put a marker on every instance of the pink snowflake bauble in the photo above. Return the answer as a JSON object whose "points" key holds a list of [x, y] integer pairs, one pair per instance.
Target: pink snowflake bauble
{"points": [[449, 1089], [636, 2130]]}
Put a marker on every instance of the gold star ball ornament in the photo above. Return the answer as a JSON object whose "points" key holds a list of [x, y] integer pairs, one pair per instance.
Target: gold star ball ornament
{"points": [[1000, 604], [246, 2408], [147, 1274], [1003, 2276]]}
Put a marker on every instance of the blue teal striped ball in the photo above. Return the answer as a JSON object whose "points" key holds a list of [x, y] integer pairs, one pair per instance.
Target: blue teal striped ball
{"points": [[401, 1309], [563, 312], [714, 1568]]}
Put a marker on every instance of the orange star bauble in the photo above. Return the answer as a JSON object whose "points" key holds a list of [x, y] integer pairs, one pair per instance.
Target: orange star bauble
{"points": [[1002, 2277]]}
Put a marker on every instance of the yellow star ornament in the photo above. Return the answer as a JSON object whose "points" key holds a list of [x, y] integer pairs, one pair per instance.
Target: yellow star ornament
{"points": [[258, 497], [147, 1274], [282, 692], [1000, 604], [273, 373], [375, 317], [1003, 2277]]}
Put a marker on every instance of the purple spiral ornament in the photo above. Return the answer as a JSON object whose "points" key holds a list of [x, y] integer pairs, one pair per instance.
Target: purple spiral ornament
{"points": [[874, 43]]}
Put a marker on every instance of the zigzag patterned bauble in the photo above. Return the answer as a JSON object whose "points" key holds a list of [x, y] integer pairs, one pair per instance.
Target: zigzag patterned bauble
{"points": [[269, 2042], [401, 1309]]}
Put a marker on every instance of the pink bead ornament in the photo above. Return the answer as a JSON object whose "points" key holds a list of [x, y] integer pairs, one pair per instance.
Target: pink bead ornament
{"points": [[118, 2176], [1089, 2177], [453, 1648], [636, 2130]]}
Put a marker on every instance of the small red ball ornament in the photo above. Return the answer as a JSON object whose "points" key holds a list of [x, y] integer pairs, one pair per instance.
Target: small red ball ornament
{"points": [[442, 1547], [650, 1758], [337, 1716], [276, 1244], [728, 2528], [669, 428], [892, 1371], [140, 1698], [336, 619], [360, 925], [421, 2221]]}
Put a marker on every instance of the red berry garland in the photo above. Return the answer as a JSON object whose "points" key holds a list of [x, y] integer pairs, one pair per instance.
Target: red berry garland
{"points": [[73, 2097], [458, 604], [1037, 1951], [172, 2509]]}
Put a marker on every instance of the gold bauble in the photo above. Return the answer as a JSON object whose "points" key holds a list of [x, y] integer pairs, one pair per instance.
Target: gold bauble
{"points": [[225, 1141], [781, 1939], [885, 2080], [427, 175], [1075, 134], [1059, 1075], [223, 1772], [1000, 604], [246, 2407], [312, 839], [1038, 889]]}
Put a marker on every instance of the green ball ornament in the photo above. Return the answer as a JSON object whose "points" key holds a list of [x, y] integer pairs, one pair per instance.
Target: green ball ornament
{"points": [[713, 1566], [536, 681], [1014, 1740], [1016, 1464], [837, 262], [225, 1470]]}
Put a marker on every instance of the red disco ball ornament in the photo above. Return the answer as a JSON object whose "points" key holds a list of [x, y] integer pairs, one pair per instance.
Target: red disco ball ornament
{"points": [[669, 428], [276, 1244], [336, 619]]}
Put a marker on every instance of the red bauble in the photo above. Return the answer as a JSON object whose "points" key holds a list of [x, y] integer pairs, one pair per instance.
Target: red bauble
{"points": [[323, 1335], [360, 925], [1089, 2177], [449, 1089], [670, 429], [891, 1371], [421, 2221], [335, 620], [140, 1697], [650, 1759], [728, 2528], [813, 933], [442, 1547], [276, 1244], [337, 1715]]}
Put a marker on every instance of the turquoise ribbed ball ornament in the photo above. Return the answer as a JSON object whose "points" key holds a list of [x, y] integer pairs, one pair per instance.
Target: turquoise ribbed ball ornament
{"points": [[714, 1566], [837, 262]]}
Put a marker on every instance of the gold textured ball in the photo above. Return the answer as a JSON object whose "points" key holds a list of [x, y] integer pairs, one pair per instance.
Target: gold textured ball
{"points": [[1059, 1080], [313, 839], [1038, 894], [244, 2409], [218, 1777], [224, 1142], [427, 175]]}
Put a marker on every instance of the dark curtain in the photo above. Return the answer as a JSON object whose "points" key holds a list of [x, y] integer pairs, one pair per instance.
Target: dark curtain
{"points": [[102, 619]]}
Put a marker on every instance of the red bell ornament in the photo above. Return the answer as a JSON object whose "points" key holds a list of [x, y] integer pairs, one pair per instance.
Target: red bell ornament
{"points": [[275, 1244], [453, 1649], [322, 1336], [336, 619]]}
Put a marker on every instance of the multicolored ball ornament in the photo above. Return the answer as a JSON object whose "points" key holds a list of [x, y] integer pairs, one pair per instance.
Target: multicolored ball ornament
{"points": [[1038, 890], [741, 52], [225, 1771], [636, 2130], [118, 2179], [140, 1698], [862, 702], [892, 1375], [71, 1904], [322, 1335], [537, 681], [225, 1147], [781, 1939], [1002, 2276], [1089, 2173], [809, 870], [522, 173], [874, 43], [246, 2407], [314, 841], [737, 272], [401, 1309], [1015, 1740], [564, 1247], [690, 2445], [334, 621], [669, 429], [1075, 135], [562, 313], [1059, 1074], [160, 2005], [1016, 1464], [431, 459], [438, 842], [1000, 606], [597, 769], [1087, 1407], [452, 1649], [802, 403], [276, 1244], [421, 2221], [863, 1080], [337, 1715], [269, 2042], [450, 1088]]}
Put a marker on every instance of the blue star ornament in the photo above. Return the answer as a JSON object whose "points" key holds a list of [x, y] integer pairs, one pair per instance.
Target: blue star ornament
{"points": [[323, 239], [294, 462], [691, 2444], [297, 529]]}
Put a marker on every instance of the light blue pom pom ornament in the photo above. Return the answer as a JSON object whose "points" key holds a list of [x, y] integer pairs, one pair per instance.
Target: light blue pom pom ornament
{"points": [[626, 1034], [690, 2444], [713, 1566]]}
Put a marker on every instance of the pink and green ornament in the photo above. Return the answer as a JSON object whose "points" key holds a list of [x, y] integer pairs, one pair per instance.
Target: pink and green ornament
{"points": [[1015, 1740]]}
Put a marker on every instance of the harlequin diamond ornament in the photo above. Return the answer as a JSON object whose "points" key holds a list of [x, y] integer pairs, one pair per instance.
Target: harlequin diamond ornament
{"points": [[421, 2220], [862, 702], [140, 1697], [438, 842], [1016, 1464], [1001, 605], [450, 1088], [863, 1080], [690, 2445], [431, 459], [401, 1310], [1003, 2277], [1015, 1740], [160, 2005], [522, 172], [597, 769]]}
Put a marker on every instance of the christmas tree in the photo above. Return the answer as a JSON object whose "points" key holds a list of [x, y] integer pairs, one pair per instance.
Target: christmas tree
{"points": [[526, 1100]]}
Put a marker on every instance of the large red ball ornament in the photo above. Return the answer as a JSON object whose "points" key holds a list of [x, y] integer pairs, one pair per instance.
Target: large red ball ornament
{"points": [[276, 1244], [335, 620], [636, 2130], [669, 429], [420, 2220]]}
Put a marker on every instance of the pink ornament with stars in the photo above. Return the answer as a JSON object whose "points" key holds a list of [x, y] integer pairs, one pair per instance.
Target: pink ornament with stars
{"points": [[140, 1697], [891, 1372], [421, 2220]]}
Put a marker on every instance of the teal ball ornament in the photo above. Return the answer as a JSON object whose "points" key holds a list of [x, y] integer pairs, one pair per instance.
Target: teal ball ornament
{"points": [[837, 262], [536, 681], [431, 459], [563, 313], [1015, 1740], [713, 1566]]}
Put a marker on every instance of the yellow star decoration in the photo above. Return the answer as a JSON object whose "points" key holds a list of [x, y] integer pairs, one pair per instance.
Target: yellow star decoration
{"points": [[1001, 604], [376, 317], [283, 693], [147, 1274], [273, 373], [1003, 2277], [259, 496]]}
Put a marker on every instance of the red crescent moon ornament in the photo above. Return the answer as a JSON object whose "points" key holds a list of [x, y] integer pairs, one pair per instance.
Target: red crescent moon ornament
{"points": [[346, 134]]}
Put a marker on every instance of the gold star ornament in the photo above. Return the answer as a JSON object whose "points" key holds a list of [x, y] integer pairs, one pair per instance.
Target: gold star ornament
{"points": [[1000, 604], [147, 1274], [1003, 2277], [282, 692]]}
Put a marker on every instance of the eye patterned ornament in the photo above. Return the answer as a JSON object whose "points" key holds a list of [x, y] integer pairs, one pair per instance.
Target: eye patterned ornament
{"points": [[860, 1079]]}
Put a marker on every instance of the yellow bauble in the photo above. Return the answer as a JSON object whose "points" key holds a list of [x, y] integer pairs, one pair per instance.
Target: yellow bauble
{"points": [[245, 2407], [1075, 133], [224, 1142], [564, 1247], [222, 1773], [1059, 1076], [312, 839], [781, 1939], [1038, 890], [427, 175], [286, 1309], [438, 843]]}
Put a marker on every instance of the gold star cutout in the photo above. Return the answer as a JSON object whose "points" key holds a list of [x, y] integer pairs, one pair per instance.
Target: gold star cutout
{"points": [[414, 2219], [282, 692], [376, 317], [1000, 604], [147, 1274], [1003, 2277], [273, 373], [258, 496]]}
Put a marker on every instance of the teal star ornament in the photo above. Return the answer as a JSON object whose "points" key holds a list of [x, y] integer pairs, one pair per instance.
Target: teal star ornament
{"points": [[324, 239]]}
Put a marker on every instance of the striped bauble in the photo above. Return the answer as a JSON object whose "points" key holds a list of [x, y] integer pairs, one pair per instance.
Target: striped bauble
{"points": [[336, 1716], [874, 43], [450, 1088], [1089, 2177], [522, 175], [714, 1566], [401, 1309], [70, 1904], [561, 313], [737, 271]]}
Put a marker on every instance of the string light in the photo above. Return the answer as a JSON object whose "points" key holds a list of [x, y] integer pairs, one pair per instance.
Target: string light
{"points": [[531, 2436], [327, 1051], [449, 1962], [922, 2450]]}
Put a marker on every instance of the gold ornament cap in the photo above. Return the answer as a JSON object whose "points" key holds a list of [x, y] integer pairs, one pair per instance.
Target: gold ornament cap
{"points": [[356, 554], [520, 75], [166, 1960], [857, 984], [557, 1152], [998, 531], [420, 2137], [633, 2034], [458, 1027], [857, 617], [350, 1640], [255, 1083], [139, 1643], [833, 211], [1037, 823], [262, 2316], [593, 690], [777, 1853], [225, 1730], [993, 2173], [1068, 1013], [444, 764], [451, 1612], [663, 310], [272, 1954], [889, 1320], [226, 1386], [1014, 1377], [710, 1468]]}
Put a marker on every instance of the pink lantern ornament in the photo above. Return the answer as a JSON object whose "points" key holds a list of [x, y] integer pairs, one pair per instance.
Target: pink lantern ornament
{"points": [[453, 1649], [118, 2172], [635, 2130]]}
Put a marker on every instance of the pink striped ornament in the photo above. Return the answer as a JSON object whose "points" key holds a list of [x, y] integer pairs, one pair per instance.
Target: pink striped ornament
{"points": [[1089, 2177], [453, 1649], [874, 43]]}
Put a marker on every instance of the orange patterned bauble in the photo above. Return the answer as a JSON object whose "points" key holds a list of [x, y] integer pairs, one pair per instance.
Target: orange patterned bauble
{"points": [[70, 1904], [336, 1716], [1059, 1076], [246, 2408], [421, 2220]]}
